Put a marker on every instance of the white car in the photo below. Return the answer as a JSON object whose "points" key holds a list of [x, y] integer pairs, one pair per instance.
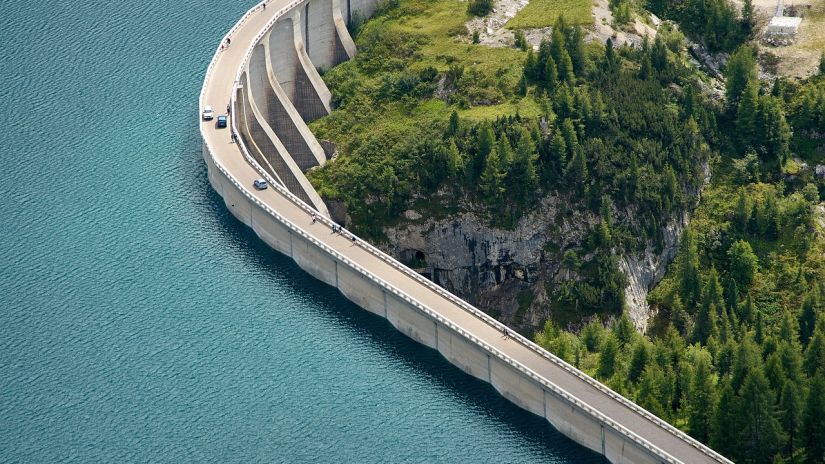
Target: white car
{"points": [[208, 113], [259, 184]]}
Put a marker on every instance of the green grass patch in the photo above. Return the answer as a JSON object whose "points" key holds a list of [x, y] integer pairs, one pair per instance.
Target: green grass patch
{"points": [[543, 13]]}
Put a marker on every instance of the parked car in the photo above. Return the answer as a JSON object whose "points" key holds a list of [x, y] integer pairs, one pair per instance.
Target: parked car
{"points": [[208, 113], [259, 184], [222, 121]]}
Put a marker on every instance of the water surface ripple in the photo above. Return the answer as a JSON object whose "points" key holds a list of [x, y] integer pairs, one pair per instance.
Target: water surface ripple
{"points": [[139, 322]]}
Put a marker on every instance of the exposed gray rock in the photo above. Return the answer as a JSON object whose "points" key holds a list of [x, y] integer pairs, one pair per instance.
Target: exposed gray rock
{"points": [[492, 267]]}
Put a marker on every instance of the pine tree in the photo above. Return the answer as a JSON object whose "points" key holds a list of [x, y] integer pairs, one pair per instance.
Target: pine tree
{"points": [[712, 293], [452, 127], [814, 422], [807, 317], [650, 395], [775, 131], [688, 271], [705, 326], [575, 47], [565, 68], [727, 422], [608, 357], [491, 182], [531, 71], [746, 115], [762, 436], [624, 331], [702, 401], [558, 147], [522, 87], [792, 413], [815, 354], [557, 41], [791, 357], [759, 326], [741, 70], [455, 162], [577, 171], [658, 54], [747, 359], [638, 361], [609, 63], [747, 310], [748, 18], [522, 179], [743, 263], [551, 75]]}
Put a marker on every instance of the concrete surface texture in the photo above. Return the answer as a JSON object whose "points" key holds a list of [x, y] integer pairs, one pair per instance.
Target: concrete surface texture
{"points": [[578, 406]]}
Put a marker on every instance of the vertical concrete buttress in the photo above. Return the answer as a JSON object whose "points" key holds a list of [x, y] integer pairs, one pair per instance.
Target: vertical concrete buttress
{"points": [[259, 136], [279, 111], [361, 9], [293, 71], [326, 38], [309, 85]]}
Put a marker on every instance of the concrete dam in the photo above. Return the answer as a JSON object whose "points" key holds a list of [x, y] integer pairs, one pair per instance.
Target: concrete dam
{"points": [[266, 70]]}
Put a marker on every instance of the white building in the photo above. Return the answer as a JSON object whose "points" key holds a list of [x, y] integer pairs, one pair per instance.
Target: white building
{"points": [[783, 25]]}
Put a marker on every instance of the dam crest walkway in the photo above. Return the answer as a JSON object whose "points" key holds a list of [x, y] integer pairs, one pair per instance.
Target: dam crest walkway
{"points": [[577, 405]]}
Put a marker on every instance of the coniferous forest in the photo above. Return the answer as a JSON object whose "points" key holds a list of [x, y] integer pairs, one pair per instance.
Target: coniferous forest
{"points": [[735, 351]]}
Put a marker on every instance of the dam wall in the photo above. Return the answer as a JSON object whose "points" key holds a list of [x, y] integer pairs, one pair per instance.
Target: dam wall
{"points": [[606, 423], [425, 326]]}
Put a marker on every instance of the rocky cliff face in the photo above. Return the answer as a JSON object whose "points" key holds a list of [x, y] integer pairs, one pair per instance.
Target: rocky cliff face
{"points": [[509, 273]]}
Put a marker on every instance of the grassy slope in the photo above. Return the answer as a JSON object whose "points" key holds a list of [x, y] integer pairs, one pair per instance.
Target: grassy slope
{"points": [[437, 22], [543, 13]]}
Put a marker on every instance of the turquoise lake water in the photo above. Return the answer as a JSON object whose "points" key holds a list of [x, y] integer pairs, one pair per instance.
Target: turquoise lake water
{"points": [[139, 322]]}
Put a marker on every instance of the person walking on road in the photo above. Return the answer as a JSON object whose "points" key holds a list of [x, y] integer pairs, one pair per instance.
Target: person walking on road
{"points": [[313, 218]]}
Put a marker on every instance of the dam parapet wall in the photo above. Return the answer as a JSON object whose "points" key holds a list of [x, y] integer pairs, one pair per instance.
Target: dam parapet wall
{"points": [[575, 404]]}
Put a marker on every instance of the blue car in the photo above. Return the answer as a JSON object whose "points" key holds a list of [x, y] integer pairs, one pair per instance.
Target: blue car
{"points": [[221, 121]]}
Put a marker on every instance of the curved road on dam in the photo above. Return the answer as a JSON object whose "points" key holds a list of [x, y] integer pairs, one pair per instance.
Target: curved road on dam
{"points": [[611, 410], [141, 323]]}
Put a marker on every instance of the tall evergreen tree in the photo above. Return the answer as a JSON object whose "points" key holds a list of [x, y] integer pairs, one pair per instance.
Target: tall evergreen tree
{"points": [[575, 47], [608, 356], [814, 422], [815, 354], [491, 182], [746, 360], [762, 436], [740, 70], [775, 131], [551, 75], [702, 401], [688, 271], [638, 361], [747, 117], [748, 18], [743, 263], [650, 395], [727, 422], [792, 413], [522, 178], [807, 316], [705, 327]]}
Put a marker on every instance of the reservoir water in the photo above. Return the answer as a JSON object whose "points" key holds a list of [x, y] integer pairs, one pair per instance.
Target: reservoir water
{"points": [[139, 322]]}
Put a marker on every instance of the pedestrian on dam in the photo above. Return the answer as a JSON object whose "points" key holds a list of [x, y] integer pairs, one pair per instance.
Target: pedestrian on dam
{"points": [[354, 239], [313, 218]]}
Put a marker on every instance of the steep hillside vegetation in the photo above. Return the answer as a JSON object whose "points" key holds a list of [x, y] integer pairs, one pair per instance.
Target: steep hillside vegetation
{"points": [[551, 187]]}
